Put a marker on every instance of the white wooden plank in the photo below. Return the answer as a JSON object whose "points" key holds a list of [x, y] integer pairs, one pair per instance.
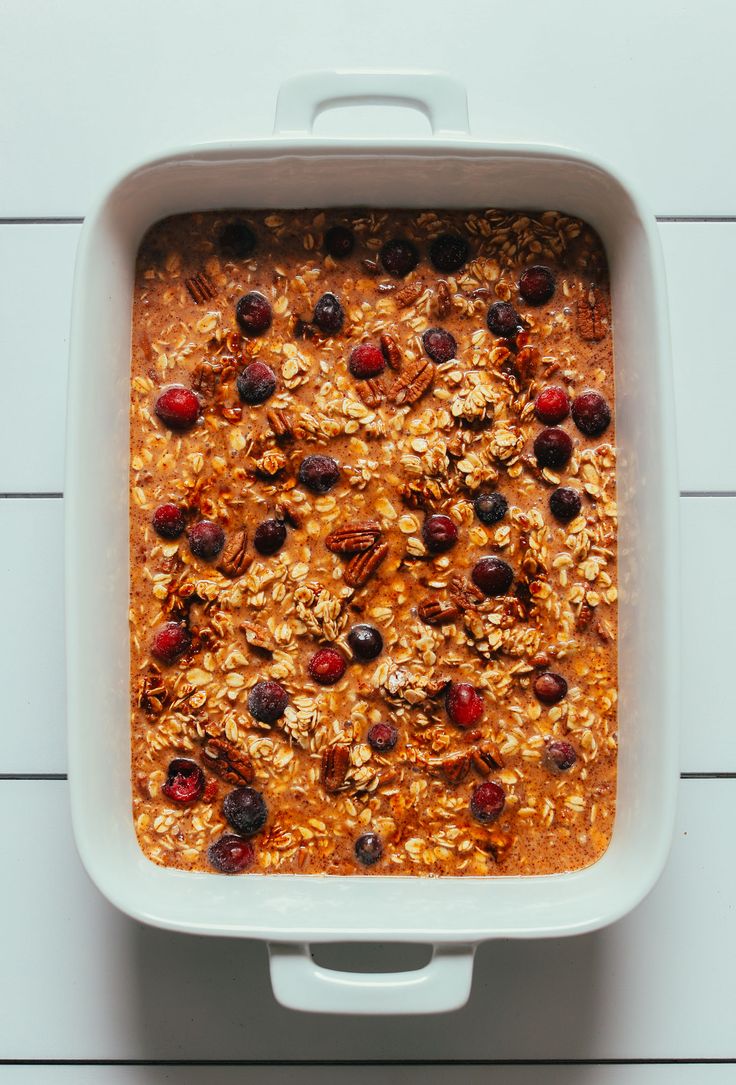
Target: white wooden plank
{"points": [[94, 87], [653, 986]]}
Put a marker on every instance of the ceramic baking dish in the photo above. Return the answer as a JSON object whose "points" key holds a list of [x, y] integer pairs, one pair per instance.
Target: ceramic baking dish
{"points": [[295, 169]]}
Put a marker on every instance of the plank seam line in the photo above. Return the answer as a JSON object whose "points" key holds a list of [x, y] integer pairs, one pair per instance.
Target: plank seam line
{"points": [[372, 1062]]}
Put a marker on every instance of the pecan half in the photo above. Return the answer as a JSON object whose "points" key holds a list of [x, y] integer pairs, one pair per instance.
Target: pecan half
{"points": [[593, 315], [353, 538], [200, 288], [226, 760], [280, 424], [152, 695], [361, 567], [455, 768], [335, 763], [391, 351], [438, 611], [235, 557], [487, 758], [415, 379], [372, 392], [444, 300], [408, 295]]}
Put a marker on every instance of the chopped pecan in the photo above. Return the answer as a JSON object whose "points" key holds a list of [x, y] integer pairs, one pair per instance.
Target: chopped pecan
{"points": [[354, 537], [497, 844], [205, 379], [235, 557], [464, 593], [541, 661], [584, 617], [256, 636], [420, 495], [226, 760], [280, 424], [361, 567], [444, 300], [526, 363], [335, 763], [593, 315], [408, 295], [286, 511], [270, 464], [372, 392], [438, 611], [391, 351], [152, 693], [487, 758], [414, 380], [231, 414], [455, 768], [200, 288]]}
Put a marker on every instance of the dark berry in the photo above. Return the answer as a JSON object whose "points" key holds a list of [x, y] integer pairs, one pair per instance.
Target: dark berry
{"points": [[552, 448], [399, 257], [439, 533], [328, 314], [365, 642], [319, 473], [368, 849], [256, 383], [236, 240], [448, 252], [339, 241], [564, 504], [184, 781], [382, 737], [492, 575], [178, 408], [549, 688], [267, 701], [439, 344], [487, 802], [464, 704], [552, 405], [253, 313], [537, 284], [366, 361], [327, 666], [170, 641], [490, 508], [559, 755], [246, 810], [168, 521], [591, 414], [231, 854], [270, 536], [206, 539], [503, 319]]}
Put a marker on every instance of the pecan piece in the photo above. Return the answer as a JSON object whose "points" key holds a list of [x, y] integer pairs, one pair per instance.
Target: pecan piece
{"points": [[286, 511], [497, 844], [361, 567], [464, 594], [225, 760], [335, 763], [438, 611], [593, 315], [235, 558], [353, 538], [455, 768], [414, 380], [408, 295], [444, 301], [256, 636], [205, 380], [200, 288], [391, 351], [584, 617], [152, 695], [487, 758], [280, 424], [372, 392], [231, 414]]}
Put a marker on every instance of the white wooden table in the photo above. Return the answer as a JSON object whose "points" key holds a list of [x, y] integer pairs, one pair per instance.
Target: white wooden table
{"points": [[86, 88]]}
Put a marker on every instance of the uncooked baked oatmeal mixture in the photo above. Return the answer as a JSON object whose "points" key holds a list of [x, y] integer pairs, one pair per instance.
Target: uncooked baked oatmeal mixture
{"points": [[373, 543]]}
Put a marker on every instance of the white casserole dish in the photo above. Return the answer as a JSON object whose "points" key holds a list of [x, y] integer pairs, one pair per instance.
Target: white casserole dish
{"points": [[296, 170]]}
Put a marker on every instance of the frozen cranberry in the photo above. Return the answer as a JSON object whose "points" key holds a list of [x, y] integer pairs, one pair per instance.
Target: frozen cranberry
{"points": [[552, 448], [448, 252], [439, 533], [365, 642], [382, 737], [256, 383], [399, 257], [503, 319], [270, 536], [246, 810], [549, 688], [327, 666], [366, 361], [564, 504], [439, 344], [492, 575], [184, 781], [170, 641], [552, 405], [267, 701], [487, 802], [559, 755], [253, 313], [206, 539], [368, 849], [339, 241], [168, 521], [464, 704], [591, 414], [236, 240], [231, 854], [328, 314], [178, 407], [490, 508], [319, 473], [537, 284]]}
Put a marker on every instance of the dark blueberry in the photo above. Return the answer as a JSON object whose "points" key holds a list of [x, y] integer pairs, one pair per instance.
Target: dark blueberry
{"points": [[503, 319], [591, 414], [267, 701], [552, 448], [559, 756], [170, 641], [448, 252], [464, 704], [549, 688], [368, 849], [256, 383], [178, 408], [365, 642], [537, 284], [399, 256], [328, 314], [439, 344], [564, 504], [339, 241], [319, 473], [168, 521], [253, 313], [492, 575], [246, 810], [487, 802], [327, 666], [270, 536], [184, 781], [366, 361], [206, 539], [236, 240], [490, 508], [230, 854], [382, 737], [552, 405], [439, 533]]}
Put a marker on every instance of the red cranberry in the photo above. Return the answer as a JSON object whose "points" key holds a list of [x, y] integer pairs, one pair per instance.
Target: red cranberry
{"points": [[319, 473], [492, 575], [366, 361], [439, 344], [328, 314], [559, 756], [270, 536], [382, 737], [246, 810], [552, 405], [327, 666], [168, 521], [537, 284], [178, 407], [236, 240], [490, 508], [487, 802], [231, 854], [503, 319], [206, 539], [365, 642], [256, 383], [591, 414], [368, 849], [448, 253], [399, 257], [170, 641], [339, 241], [267, 701], [184, 781], [564, 504], [549, 688], [464, 705], [253, 314], [552, 448], [439, 533]]}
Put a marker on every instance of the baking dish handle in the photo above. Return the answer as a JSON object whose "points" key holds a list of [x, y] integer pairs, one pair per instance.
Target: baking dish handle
{"points": [[440, 97], [299, 983]]}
